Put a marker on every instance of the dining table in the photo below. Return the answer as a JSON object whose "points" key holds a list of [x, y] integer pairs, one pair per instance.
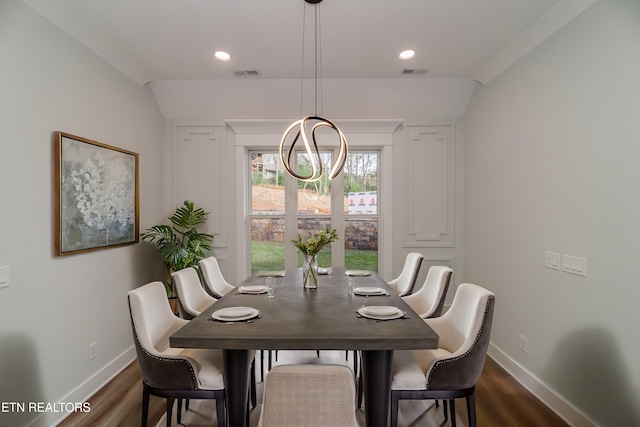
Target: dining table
{"points": [[328, 317]]}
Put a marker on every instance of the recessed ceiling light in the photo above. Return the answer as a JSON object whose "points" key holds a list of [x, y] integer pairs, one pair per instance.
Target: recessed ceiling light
{"points": [[407, 54], [222, 56]]}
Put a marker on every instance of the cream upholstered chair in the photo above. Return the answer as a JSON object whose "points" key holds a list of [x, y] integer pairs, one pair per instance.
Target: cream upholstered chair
{"points": [[428, 301], [404, 283], [309, 396], [214, 281], [192, 296], [194, 300], [171, 373], [453, 369]]}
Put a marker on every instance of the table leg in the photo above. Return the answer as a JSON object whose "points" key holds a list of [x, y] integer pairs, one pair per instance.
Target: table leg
{"points": [[376, 375], [236, 383]]}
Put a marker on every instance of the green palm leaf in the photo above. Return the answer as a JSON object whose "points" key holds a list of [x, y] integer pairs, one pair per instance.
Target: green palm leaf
{"points": [[181, 245]]}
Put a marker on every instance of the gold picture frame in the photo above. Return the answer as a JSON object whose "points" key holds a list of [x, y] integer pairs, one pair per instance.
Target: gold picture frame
{"points": [[96, 197]]}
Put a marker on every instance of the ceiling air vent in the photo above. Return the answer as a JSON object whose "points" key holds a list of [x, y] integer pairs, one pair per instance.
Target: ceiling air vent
{"points": [[246, 73], [410, 72]]}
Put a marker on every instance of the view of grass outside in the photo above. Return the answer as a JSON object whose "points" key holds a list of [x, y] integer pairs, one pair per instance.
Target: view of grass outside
{"points": [[269, 256]]}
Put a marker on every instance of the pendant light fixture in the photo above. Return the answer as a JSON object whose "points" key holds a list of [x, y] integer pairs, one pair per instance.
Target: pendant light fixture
{"points": [[305, 128]]}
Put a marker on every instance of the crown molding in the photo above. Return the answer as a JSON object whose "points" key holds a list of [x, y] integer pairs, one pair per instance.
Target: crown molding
{"points": [[552, 21]]}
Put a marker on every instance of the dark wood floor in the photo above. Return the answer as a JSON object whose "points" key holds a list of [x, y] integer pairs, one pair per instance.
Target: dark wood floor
{"points": [[500, 401]]}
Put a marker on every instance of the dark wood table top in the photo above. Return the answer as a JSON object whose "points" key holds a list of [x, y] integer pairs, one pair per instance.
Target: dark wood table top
{"points": [[297, 318]]}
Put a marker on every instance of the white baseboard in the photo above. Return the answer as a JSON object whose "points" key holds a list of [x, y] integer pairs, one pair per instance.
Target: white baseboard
{"points": [[88, 388], [549, 397]]}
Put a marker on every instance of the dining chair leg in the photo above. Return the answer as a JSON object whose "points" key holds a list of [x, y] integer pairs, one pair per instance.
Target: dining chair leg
{"points": [[452, 410], [169, 411], [360, 392], [444, 409], [471, 410], [145, 405], [395, 400], [179, 411], [261, 357], [252, 385], [355, 362], [220, 410]]}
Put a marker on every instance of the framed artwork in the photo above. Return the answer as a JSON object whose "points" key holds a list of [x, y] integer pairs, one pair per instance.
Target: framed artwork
{"points": [[96, 195]]}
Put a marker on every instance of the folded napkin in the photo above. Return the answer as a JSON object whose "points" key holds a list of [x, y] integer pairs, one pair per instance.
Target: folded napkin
{"points": [[254, 289]]}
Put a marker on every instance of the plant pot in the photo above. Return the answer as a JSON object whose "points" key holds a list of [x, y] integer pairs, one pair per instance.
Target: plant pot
{"points": [[175, 305]]}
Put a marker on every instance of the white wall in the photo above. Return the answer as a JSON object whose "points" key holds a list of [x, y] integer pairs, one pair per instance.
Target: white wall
{"points": [[55, 307], [551, 164]]}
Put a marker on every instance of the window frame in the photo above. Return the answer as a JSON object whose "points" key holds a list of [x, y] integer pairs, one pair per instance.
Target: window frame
{"points": [[265, 135]]}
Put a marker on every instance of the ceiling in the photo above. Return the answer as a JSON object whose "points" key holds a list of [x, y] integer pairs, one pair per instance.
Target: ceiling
{"points": [[153, 40]]}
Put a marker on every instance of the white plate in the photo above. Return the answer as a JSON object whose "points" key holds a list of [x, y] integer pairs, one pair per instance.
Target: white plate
{"points": [[253, 289], [369, 290], [235, 313], [323, 271], [357, 273], [366, 312], [381, 310]]}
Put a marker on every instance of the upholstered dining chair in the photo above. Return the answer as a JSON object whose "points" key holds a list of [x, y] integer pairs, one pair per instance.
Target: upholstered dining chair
{"points": [[171, 373], [214, 282], [194, 300], [453, 369], [192, 296], [217, 287], [309, 395], [404, 283], [428, 301]]}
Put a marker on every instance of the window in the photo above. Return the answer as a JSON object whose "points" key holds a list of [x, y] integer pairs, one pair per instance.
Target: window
{"points": [[267, 212], [353, 211], [360, 210]]}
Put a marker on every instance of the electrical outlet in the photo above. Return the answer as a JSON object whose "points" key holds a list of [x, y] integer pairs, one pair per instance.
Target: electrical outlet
{"points": [[552, 260], [93, 350], [523, 343]]}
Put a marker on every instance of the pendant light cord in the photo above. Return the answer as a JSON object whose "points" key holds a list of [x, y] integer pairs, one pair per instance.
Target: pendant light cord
{"points": [[304, 32], [317, 65], [316, 50]]}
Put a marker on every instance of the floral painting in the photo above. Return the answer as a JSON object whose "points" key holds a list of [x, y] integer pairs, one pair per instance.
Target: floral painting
{"points": [[97, 200]]}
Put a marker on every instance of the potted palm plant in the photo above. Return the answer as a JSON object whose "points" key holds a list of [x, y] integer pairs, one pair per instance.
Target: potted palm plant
{"points": [[181, 244]]}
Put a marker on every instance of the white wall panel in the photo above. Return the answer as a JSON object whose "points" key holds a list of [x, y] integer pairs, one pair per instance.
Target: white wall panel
{"points": [[429, 186], [199, 162]]}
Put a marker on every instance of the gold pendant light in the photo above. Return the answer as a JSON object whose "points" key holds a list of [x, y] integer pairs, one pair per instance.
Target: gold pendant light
{"points": [[305, 129]]}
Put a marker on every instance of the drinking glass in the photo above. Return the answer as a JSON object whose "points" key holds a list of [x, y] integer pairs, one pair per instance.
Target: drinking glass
{"points": [[271, 284], [350, 281]]}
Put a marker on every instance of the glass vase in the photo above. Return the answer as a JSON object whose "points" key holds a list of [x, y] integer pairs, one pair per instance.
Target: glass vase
{"points": [[310, 271]]}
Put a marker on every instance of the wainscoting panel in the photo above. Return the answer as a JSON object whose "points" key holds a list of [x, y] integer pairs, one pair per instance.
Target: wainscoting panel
{"points": [[199, 166], [429, 187]]}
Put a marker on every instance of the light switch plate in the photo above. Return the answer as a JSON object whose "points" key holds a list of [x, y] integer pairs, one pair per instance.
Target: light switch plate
{"points": [[4, 276], [553, 260], [574, 265]]}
